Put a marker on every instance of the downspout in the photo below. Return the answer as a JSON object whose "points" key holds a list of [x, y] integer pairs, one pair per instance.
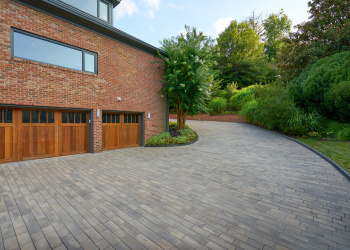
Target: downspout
{"points": [[167, 114]]}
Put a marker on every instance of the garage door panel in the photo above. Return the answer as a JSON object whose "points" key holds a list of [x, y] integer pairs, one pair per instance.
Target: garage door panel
{"points": [[120, 130], [111, 136], [2, 143], [6, 143], [74, 139], [38, 141]]}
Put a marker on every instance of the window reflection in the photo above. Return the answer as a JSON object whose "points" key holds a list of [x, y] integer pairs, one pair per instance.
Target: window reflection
{"points": [[43, 51]]}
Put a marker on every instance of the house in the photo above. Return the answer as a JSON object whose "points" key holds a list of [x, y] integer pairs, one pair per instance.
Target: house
{"points": [[72, 83]]}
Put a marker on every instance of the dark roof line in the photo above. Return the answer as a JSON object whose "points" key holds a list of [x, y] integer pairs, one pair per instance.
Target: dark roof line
{"points": [[116, 2]]}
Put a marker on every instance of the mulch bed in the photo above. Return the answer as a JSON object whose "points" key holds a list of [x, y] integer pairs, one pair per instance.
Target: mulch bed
{"points": [[218, 118]]}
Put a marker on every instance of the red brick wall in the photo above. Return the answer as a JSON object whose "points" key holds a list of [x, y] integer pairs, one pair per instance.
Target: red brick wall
{"points": [[123, 72]]}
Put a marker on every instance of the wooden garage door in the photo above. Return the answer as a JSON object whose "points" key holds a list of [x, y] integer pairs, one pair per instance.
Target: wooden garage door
{"points": [[37, 134], [74, 133], [120, 130], [29, 134], [7, 145]]}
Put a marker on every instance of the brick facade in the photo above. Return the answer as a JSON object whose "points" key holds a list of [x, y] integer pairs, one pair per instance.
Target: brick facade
{"points": [[123, 71]]}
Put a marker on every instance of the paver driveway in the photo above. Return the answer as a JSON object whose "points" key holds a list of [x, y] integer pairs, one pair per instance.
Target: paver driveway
{"points": [[237, 187]]}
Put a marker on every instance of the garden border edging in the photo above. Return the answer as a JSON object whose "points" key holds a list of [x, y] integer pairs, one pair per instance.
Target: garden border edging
{"points": [[326, 158], [174, 145]]}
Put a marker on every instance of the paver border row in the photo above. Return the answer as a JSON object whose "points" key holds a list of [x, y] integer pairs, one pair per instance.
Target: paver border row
{"points": [[326, 158]]}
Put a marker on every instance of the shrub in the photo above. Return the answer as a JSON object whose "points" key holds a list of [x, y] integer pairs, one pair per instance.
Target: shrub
{"points": [[187, 135], [273, 108], [224, 94], [160, 139], [181, 139], [344, 135], [217, 105], [231, 89], [315, 88], [299, 122], [242, 97], [338, 99]]}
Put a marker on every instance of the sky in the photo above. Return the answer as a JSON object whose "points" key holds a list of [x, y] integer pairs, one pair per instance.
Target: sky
{"points": [[153, 20]]}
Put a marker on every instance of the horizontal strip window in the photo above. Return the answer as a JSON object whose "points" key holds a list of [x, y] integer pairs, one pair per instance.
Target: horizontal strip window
{"points": [[73, 117], [131, 119], [5, 115], [97, 8], [36, 116], [36, 48], [110, 118]]}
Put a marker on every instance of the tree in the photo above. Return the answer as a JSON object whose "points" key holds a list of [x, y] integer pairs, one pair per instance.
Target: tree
{"points": [[188, 72], [255, 21], [239, 41], [241, 56], [277, 27], [325, 34]]}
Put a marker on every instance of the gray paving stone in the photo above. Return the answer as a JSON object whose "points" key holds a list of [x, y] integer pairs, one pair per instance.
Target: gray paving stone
{"points": [[238, 187]]}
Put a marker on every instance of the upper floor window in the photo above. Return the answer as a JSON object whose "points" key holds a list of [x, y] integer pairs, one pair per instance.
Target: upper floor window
{"points": [[32, 47], [98, 8]]}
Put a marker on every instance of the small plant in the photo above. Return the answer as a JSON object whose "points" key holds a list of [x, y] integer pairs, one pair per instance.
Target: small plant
{"points": [[160, 139], [175, 136], [181, 139], [217, 105], [314, 134], [231, 89]]}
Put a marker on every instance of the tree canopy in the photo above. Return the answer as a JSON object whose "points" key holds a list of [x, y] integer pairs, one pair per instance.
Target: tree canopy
{"points": [[325, 34], [241, 55], [277, 27], [188, 72]]}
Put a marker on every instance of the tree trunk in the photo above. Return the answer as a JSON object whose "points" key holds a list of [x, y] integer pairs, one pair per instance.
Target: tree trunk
{"points": [[181, 119], [181, 116]]}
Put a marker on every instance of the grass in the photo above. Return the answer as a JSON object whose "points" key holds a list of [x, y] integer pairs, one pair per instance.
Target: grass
{"points": [[337, 151]]}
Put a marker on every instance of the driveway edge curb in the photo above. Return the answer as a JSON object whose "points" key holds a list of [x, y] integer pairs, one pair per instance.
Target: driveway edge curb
{"points": [[326, 158]]}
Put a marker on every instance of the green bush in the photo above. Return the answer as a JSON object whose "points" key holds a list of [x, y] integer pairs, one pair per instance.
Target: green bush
{"points": [[338, 99], [300, 123], [315, 88], [187, 135], [160, 139], [181, 139], [231, 89], [273, 108], [217, 105], [242, 97], [344, 135], [224, 94]]}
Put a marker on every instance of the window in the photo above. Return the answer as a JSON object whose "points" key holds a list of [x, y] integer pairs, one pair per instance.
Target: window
{"points": [[131, 119], [73, 117], [97, 8], [104, 11], [35, 48], [35, 116], [5, 115], [110, 118]]}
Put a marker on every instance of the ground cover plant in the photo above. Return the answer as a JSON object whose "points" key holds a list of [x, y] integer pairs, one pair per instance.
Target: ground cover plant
{"points": [[174, 136]]}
